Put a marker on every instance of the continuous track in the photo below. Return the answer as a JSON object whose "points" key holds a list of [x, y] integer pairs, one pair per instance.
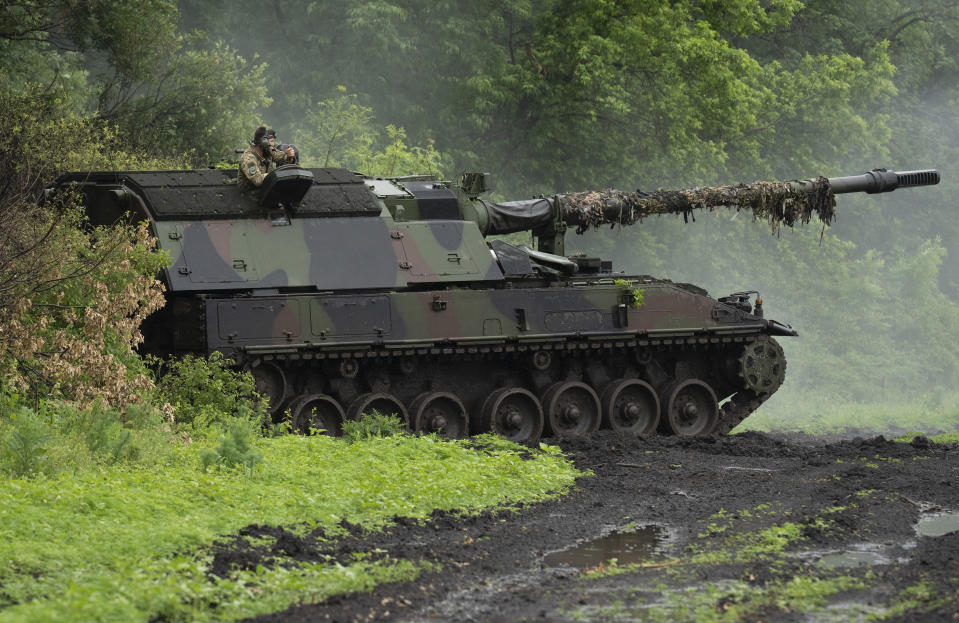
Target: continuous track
{"points": [[567, 387]]}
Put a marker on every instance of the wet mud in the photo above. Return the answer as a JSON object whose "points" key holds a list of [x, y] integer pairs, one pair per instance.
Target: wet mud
{"points": [[749, 527]]}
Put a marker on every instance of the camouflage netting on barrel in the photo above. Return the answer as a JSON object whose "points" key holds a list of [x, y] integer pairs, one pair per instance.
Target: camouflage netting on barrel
{"points": [[780, 203]]}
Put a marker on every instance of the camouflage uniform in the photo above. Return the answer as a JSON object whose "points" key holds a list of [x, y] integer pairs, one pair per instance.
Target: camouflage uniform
{"points": [[253, 167]]}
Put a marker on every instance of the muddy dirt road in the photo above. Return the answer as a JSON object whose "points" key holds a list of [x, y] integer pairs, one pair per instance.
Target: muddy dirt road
{"points": [[749, 527]]}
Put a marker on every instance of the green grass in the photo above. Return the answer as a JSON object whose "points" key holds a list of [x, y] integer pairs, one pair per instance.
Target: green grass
{"points": [[128, 543], [943, 438], [740, 601], [939, 416], [916, 599]]}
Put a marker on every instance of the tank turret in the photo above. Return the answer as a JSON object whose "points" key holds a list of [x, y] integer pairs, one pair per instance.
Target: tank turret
{"points": [[344, 294]]}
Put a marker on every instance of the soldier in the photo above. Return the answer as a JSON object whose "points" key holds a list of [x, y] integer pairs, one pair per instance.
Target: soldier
{"points": [[255, 161]]}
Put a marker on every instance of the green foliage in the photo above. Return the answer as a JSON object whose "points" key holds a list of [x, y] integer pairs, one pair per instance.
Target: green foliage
{"points": [[26, 445], [237, 447], [572, 93], [106, 436], [170, 92], [635, 294], [57, 436], [74, 540], [372, 425], [206, 390], [201, 99], [341, 132]]}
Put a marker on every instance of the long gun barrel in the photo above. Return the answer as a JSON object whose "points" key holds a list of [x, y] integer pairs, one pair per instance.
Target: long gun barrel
{"points": [[780, 203], [881, 181], [777, 202]]}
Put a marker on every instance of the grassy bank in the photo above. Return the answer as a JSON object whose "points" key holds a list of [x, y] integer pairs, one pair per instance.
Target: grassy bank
{"points": [[128, 542]]}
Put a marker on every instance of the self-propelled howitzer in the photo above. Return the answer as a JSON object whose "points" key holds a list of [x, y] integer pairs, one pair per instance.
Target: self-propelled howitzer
{"points": [[344, 294]]}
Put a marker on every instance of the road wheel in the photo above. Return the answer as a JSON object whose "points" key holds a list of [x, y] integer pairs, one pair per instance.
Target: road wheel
{"points": [[691, 408], [512, 413], [270, 381], [630, 406], [381, 402], [571, 409], [439, 412], [317, 411]]}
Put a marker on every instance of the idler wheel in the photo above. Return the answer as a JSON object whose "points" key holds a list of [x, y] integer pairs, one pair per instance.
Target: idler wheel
{"points": [[270, 381], [762, 366], [317, 411], [630, 406], [512, 413], [439, 412], [381, 402], [572, 409], [691, 408]]}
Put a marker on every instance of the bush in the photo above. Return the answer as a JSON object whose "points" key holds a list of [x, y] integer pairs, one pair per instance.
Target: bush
{"points": [[25, 447], [372, 425], [236, 448], [205, 391], [61, 434]]}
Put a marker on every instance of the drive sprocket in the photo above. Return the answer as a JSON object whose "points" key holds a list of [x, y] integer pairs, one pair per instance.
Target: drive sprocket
{"points": [[762, 366]]}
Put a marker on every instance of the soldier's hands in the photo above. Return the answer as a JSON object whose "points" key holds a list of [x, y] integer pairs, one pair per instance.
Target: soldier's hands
{"points": [[290, 153]]}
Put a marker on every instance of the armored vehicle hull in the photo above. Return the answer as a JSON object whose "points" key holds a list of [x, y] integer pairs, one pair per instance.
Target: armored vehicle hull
{"points": [[343, 295]]}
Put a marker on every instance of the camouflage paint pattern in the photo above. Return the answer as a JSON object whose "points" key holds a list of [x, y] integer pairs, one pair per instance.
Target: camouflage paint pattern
{"points": [[326, 254], [408, 265], [591, 309]]}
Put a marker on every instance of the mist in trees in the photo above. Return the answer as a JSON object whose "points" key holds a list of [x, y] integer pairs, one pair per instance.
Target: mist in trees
{"points": [[566, 95]]}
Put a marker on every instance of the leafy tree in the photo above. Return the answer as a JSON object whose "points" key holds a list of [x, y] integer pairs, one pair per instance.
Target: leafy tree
{"points": [[71, 297], [922, 41], [168, 92], [564, 94], [340, 132]]}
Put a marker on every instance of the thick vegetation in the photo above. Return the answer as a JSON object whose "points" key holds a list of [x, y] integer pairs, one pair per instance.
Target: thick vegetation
{"points": [[93, 497]]}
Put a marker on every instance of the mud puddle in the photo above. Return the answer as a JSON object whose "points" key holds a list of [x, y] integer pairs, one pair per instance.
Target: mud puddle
{"points": [[859, 555], [936, 524], [633, 545]]}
